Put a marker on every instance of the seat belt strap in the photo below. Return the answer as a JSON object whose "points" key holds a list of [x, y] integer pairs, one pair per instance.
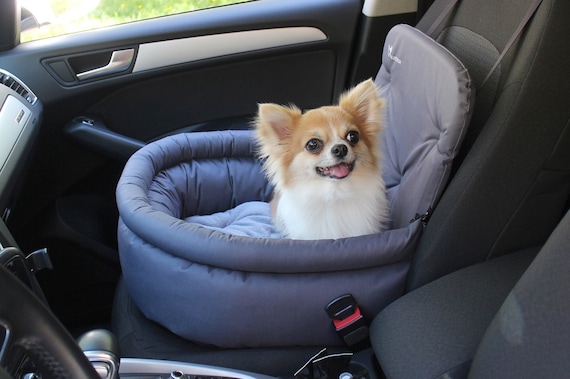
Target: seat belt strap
{"points": [[450, 5], [529, 13]]}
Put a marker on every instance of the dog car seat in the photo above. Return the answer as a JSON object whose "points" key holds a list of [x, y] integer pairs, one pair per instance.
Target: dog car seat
{"points": [[236, 291]]}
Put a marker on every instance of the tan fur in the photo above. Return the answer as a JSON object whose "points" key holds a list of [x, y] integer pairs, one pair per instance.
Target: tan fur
{"points": [[325, 202]]}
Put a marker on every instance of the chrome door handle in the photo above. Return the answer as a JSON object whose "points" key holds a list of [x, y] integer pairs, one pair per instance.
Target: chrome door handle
{"points": [[120, 61]]}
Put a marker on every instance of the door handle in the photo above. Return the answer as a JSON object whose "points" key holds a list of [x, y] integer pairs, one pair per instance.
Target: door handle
{"points": [[120, 61]]}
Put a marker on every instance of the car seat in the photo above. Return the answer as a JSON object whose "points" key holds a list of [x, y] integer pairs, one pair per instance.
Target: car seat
{"points": [[513, 169], [483, 321], [528, 337], [511, 187], [512, 183]]}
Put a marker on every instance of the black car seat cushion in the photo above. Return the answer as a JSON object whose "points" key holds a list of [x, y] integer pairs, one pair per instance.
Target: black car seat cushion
{"points": [[434, 331]]}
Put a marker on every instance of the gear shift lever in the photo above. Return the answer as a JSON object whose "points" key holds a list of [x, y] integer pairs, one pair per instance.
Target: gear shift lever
{"points": [[101, 347]]}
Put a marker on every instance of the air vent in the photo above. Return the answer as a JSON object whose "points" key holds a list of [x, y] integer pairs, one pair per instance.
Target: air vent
{"points": [[16, 85]]}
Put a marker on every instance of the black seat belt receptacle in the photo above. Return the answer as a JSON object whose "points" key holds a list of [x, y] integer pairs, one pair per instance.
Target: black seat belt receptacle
{"points": [[348, 320]]}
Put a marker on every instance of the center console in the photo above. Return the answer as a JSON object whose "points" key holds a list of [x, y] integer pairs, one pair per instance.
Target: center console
{"points": [[132, 368], [101, 347]]}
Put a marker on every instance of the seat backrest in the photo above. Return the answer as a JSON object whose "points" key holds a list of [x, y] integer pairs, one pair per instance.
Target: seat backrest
{"points": [[512, 185], [429, 101]]}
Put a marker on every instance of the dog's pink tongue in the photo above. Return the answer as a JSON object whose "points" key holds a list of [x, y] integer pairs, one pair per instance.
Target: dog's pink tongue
{"points": [[339, 171]]}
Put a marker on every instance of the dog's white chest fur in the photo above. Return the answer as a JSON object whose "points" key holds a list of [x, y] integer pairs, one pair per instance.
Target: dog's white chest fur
{"points": [[333, 210]]}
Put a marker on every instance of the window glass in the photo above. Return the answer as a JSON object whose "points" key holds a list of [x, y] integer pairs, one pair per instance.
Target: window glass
{"points": [[48, 18]]}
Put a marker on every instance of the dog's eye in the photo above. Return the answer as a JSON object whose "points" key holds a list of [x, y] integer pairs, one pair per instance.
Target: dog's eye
{"points": [[314, 146], [352, 137]]}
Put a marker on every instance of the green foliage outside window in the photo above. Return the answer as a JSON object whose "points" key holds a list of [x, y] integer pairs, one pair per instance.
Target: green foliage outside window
{"points": [[60, 17]]}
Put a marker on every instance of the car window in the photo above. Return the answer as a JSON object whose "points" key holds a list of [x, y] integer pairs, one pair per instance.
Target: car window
{"points": [[49, 18]]}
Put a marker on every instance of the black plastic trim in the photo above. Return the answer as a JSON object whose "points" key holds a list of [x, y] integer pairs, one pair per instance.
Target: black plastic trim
{"points": [[91, 131]]}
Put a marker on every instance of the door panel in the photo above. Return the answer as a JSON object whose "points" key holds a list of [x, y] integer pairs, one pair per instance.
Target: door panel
{"points": [[214, 93]]}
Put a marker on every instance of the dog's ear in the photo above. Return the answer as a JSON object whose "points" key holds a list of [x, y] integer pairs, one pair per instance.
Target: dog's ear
{"points": [[364, 104], [273, 130], [276, 121]]}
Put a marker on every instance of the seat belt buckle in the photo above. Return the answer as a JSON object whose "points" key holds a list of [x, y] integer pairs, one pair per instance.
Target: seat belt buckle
{"points": [[348, 320]]}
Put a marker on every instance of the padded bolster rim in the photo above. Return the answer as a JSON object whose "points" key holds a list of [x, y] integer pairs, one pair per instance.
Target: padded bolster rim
{"points": [[209, 247]]}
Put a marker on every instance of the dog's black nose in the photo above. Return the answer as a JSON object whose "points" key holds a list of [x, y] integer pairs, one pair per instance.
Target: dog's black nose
{"points": [[339, 150]]}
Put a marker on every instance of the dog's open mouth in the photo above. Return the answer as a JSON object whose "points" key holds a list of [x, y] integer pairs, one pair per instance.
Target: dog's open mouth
{"points": [[339, 171]]}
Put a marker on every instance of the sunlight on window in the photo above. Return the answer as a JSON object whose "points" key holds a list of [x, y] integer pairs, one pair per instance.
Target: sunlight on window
{"points": [[49, 18]]}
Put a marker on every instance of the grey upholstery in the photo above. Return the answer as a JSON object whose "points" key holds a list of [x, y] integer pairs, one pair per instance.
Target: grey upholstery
{"points": [[509, 192], [429, 107], [435, 330], [513, 181], [529, 336], [473, 323]]}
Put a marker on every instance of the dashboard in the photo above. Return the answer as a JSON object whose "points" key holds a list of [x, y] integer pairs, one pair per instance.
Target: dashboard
{"points": [[20, 118]]}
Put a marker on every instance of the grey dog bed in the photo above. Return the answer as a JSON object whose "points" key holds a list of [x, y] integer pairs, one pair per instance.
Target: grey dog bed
{"points": [[231, 289]]}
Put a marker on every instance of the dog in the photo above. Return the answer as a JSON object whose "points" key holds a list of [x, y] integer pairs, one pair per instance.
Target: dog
{"points": [[325, 165]]}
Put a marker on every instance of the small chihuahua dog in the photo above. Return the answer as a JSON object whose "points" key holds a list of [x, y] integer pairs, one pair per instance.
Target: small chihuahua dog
{"points": [[325, 165]]}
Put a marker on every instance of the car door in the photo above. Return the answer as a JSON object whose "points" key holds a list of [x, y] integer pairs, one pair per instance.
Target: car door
{"points": [[107, 92]]}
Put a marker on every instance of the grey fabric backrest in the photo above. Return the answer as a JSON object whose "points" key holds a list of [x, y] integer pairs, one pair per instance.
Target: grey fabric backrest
{"points": [[513, 184], [429, 100], [528, 338]]}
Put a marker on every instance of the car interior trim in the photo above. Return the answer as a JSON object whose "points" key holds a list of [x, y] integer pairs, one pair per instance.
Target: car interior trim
{"points": [[137, 366], [120, 61], [165, 53], [11, 81], [4, 337], [13, 117], [378, 8]]}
